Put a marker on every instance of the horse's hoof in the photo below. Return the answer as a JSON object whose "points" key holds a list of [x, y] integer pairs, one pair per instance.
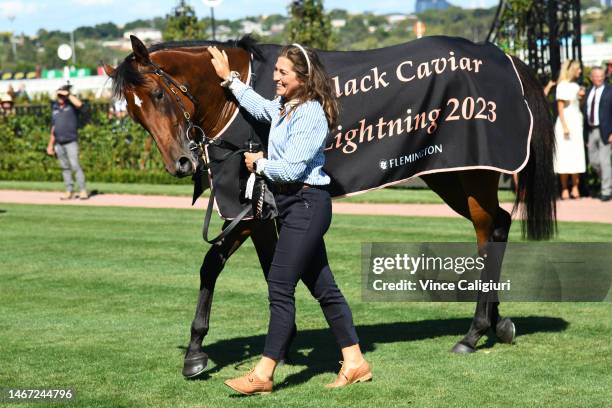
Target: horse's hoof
{"points": [[195, 365], [461, 348], [505, 331]]}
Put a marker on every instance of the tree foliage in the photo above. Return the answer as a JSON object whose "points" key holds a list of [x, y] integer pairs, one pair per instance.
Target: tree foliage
{"points": [[183, 24], [309, 25]]}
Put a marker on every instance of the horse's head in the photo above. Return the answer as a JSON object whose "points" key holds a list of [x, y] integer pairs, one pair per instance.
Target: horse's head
{"points": [[173, 92], [158, 100]]}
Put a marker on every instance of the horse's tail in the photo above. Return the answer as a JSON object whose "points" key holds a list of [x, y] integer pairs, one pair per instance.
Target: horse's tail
{"points": [[537, 184]]}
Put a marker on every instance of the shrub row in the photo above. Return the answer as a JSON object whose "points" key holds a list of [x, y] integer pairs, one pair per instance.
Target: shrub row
{"points": [[111, 150]]}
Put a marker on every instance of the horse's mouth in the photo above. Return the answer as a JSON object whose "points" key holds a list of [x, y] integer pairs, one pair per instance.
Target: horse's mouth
{"points": [[185, 166]]}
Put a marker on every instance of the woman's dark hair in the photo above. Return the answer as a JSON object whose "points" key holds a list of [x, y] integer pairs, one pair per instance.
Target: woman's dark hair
{"points": [[316, 85]]}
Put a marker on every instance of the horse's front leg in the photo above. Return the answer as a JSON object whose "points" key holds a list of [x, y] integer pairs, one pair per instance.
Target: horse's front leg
{"points": [[214, 261]]}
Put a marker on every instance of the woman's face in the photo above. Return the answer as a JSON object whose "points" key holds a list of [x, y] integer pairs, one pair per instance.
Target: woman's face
{"points": [[577, 71], [287, 82]]}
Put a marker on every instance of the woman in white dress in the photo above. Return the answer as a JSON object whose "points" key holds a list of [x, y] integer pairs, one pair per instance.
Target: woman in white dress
{"points": [[569, 156]]}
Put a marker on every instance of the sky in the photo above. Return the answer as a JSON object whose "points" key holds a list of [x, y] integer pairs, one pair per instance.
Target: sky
{"points": [[30, 15]]}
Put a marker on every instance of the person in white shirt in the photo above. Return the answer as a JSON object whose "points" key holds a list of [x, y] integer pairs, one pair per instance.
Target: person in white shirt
{"points": [[569, 153]]}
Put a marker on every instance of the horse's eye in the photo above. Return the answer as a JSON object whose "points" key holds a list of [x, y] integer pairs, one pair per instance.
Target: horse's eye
{"points": [[158, 94]]}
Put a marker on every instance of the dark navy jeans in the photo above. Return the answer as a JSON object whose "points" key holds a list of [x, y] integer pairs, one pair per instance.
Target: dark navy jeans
{"points": [[304, 218]]}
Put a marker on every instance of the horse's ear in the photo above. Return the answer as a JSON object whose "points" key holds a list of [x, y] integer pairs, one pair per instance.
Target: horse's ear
{"points": [[140, 51], [108, 69]]}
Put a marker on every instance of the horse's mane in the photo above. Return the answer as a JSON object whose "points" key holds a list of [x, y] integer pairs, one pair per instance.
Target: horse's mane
{"points": [[127, 75]]}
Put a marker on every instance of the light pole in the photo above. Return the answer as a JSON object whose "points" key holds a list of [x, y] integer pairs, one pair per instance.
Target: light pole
{"points": [[11, 18], [212, 4], [73, 48]]}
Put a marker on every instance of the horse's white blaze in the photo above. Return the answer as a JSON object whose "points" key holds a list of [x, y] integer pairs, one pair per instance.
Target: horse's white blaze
{"points": [[137, 101]]}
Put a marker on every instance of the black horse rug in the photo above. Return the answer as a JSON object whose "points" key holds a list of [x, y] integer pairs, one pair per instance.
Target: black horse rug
{"points": [[436, 104]]}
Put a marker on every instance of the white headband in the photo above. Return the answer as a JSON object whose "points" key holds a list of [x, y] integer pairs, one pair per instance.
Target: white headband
{"points": [[305, 55]]}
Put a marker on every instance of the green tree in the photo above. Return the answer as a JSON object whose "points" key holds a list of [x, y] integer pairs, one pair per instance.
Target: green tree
{"points": [[156, 22], [309, 25], [183, 24]]}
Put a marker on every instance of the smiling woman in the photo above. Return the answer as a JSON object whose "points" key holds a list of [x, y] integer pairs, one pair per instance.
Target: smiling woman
{"points": [[300, 117]]}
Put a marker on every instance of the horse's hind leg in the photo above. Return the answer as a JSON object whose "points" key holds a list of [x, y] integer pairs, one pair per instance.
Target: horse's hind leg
{"points": [[214, 260], [492, 225]]}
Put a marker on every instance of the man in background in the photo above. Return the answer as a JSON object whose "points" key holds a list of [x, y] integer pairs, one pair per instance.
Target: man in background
{"points": [[599, 124], [64, 141], [7, 105]]}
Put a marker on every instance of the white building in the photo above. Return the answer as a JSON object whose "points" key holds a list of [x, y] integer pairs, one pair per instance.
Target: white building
{"points": [[277, 28], [396, 18], [251, 27], [338, 23], [144, 34], [596, 54]]}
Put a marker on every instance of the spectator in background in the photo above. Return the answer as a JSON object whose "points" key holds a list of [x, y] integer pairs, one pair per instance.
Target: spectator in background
{"points": [[11, 91], [7, 105], [598, 112], [64, 140], [549, 86], [118, 109], [22, 94], [569, 156]]}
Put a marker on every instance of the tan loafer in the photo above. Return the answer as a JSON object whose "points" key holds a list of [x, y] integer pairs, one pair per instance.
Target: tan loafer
{"points": [[351, 376], [250, 384], [68, 195]]}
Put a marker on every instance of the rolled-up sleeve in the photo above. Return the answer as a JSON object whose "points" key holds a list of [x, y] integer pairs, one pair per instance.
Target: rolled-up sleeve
{"points": [[261, 108], [307, 131]]}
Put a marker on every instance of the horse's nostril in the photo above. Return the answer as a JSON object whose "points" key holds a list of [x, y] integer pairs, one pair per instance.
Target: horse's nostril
{"points": [[184, 166]]}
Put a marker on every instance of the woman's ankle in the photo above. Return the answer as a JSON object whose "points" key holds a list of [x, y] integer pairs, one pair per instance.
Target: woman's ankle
{"points": [[352, 356], [565, 194], [265, 368]]}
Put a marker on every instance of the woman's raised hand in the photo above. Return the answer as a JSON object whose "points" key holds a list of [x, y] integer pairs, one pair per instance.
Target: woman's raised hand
{"points": [[220, 62]]}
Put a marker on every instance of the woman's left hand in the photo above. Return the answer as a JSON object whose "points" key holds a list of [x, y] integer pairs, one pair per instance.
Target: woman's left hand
{"points": [[250, 158]]}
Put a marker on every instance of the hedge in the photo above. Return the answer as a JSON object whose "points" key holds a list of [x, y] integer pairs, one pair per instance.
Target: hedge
{"points": [[111, 150]]}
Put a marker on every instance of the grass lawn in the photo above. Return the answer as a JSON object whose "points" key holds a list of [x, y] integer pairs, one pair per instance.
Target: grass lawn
{"points": [[388, 195], [101, 300]]}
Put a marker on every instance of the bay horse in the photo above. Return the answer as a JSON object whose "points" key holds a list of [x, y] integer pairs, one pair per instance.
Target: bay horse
{"points": [[173, 91]]}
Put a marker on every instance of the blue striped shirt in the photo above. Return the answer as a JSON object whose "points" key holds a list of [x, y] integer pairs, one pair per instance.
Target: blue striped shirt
{"points": [[297, 141]]}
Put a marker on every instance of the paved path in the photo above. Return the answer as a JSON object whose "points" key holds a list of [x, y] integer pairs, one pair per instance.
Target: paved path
{"points": [[585, 209]]}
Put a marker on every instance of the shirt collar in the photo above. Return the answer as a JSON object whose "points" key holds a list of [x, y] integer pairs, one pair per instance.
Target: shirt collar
{"points": [[287, 106]]}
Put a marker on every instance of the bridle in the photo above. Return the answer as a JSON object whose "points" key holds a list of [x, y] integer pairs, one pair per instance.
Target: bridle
{"points": [[197, 146], [197, 143]]}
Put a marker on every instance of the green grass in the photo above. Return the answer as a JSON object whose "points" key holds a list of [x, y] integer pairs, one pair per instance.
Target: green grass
{"points": [[386, 196], [101, 300]]}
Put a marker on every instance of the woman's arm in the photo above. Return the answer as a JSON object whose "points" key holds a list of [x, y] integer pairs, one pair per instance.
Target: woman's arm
{"points": [[261, 108], [548, 87], [561, 104], [306, 136]]}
